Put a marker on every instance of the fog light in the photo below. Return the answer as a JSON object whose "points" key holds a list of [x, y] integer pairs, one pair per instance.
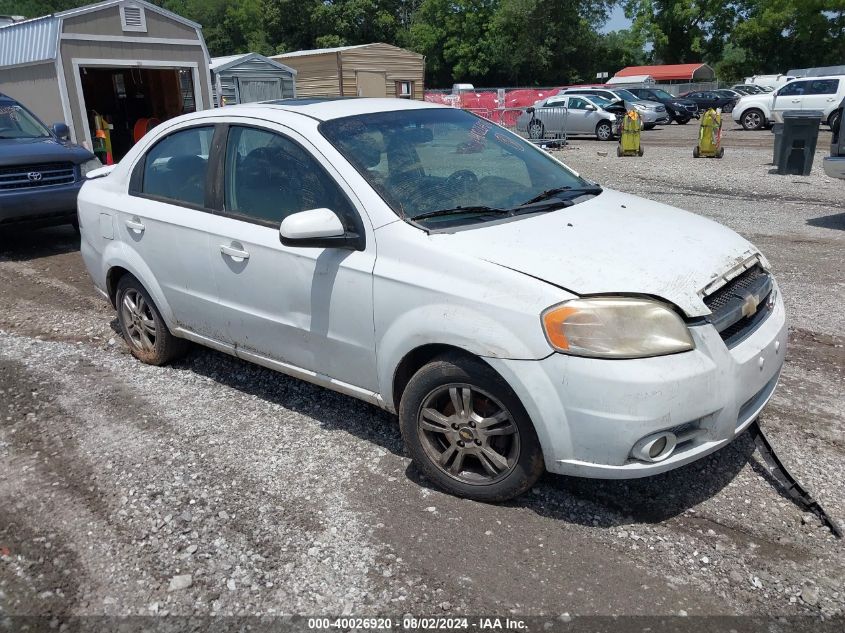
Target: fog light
{"points": [[655, 448]]}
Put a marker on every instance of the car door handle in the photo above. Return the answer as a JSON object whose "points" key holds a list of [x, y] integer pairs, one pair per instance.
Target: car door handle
{"points": [[134, 225], [234, 253], [796, 101]]}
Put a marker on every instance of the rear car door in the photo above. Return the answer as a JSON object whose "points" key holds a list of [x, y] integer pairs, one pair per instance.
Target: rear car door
{"points": [[821, 95], [310, 308], [554, 115], [164, 218]]}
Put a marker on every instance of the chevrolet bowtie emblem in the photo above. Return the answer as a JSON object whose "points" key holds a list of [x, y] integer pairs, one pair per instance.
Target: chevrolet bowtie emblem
{"points": [[749, 306]]}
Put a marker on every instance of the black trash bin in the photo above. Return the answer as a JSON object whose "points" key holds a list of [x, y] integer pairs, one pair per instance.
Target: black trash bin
{"points": [[798, 144], [777, 130]]}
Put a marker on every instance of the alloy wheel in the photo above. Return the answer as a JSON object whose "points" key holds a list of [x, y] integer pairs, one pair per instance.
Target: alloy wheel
{"points": [[468, 434], [137, 317], [753, 120]]}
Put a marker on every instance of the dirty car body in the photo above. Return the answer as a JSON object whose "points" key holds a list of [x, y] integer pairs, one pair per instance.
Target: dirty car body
{"points": [[634, 337]]}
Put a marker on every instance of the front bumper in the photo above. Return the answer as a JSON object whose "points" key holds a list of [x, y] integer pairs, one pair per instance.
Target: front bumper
{"points": [[41, 205], [652, 117], [834, 166], [589, 413]]}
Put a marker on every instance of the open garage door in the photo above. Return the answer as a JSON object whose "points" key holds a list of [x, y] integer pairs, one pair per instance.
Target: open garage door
{"points": [[126, 102]]}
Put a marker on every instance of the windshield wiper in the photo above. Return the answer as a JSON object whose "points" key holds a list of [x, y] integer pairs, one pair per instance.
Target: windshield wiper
{"points": [[458, 210], [551, 193]]}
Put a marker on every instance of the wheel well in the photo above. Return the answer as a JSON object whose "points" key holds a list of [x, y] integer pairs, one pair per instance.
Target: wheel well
{"points": [[112, 279], [414, 361]]}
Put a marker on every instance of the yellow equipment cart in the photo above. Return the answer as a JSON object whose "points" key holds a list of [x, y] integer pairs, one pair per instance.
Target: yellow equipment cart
{"points": [[710, 136], [629, 140]]}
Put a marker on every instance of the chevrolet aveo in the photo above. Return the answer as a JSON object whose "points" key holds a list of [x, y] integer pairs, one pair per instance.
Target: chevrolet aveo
{"points": [[515, 315]]}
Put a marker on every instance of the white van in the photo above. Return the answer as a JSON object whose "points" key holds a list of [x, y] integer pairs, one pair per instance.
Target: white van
{"points": [[756, 112]]}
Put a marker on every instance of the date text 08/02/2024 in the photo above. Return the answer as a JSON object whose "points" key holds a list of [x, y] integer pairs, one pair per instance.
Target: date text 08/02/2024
{"points": [[417, 623]]}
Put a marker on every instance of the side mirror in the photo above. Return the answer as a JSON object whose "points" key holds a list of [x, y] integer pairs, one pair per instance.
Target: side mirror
{"points": [[591, 107], [61, 131], [318, 228]]}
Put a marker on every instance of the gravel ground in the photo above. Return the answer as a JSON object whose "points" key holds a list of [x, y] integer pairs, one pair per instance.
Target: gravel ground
{"points": [[217, 487]]}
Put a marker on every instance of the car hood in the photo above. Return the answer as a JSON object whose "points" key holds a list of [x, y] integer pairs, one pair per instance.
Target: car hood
{"points": [[21, 151], [612, 243]]}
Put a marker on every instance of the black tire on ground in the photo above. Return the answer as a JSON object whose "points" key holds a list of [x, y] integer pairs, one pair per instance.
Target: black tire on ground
{"points": [[753, 119], [604, 131], [524, 468], [649, 126], [695, 152], [535, 130], [721, 152], [619, 150], [640, 151], [165, 347], [833, 120], [681, 121]]}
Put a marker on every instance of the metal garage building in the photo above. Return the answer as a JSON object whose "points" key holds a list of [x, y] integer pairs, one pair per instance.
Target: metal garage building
{"points": [[128, 61], [365, 70], [250, 77]]}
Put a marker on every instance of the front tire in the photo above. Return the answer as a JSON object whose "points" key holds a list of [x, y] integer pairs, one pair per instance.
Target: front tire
{"points": [[467, 431], [604, 131], [681, 121], [649, 126], [753, 119], [142, 326]]}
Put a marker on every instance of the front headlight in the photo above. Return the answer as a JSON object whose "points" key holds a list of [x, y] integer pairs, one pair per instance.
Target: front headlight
{"points": [[640, 107], [616, 327], [89, 165]]}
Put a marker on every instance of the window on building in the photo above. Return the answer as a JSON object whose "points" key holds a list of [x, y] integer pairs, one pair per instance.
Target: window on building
{"points": [[405, 89]]}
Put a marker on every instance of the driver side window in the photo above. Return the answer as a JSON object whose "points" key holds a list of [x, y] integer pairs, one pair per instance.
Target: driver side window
{"points": [[268, 177]]}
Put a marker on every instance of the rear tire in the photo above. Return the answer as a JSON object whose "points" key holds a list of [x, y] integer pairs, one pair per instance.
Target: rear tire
{"points": [[649, 126], [467, 431], [535, 130], [681, 121], [142, 326], [833, 120]]}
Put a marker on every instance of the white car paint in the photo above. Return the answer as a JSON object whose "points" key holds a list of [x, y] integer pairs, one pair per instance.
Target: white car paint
{"points": [[346, 319], [786, 97]]}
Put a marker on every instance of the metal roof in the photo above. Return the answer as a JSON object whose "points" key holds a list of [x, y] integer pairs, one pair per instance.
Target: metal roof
{"points": [[667, 72], [319, 51], [37, 39], [630, 79], [219, 64]]}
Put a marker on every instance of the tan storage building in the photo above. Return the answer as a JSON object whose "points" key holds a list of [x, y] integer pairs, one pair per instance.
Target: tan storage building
{"points": [[128, 61], [365, 70]]}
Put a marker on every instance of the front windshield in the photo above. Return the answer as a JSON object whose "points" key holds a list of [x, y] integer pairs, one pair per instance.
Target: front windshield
{"points": [[662, 94], [626, 95], [15, 122], [423, 161], [599, 101]]}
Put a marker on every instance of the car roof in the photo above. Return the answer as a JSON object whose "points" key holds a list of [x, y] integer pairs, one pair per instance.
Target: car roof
{"points": [[325, 109]]}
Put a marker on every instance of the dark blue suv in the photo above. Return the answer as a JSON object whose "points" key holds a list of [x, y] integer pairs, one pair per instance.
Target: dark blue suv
{"points": [[41, 171]]}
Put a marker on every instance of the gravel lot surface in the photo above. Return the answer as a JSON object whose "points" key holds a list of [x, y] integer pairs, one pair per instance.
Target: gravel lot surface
{"points": [[217, 487]]}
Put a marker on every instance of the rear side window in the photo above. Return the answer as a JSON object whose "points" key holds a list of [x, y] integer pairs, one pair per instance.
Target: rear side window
{"points": [[823, 87], [269, 177], [175, 169]]}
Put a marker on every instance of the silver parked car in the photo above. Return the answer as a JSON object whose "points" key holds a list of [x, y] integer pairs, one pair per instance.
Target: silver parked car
{"points": [[575, 114], [651, 112]]}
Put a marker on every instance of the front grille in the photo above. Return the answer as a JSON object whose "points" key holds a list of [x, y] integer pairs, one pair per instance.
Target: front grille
{"points": [[32, 176], [691, 108], [733, 310]]}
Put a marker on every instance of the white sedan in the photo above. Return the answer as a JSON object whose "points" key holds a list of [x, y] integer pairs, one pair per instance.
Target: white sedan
{"points": [[515, 315]]}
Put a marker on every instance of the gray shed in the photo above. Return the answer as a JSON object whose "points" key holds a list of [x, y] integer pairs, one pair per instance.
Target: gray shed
{"points": [[126, 62], [250, 77]]}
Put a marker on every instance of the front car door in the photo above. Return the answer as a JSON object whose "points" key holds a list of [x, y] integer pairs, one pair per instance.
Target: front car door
{"points": [[306, 308], [790, 97], [164, 218], [580, 118]]}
